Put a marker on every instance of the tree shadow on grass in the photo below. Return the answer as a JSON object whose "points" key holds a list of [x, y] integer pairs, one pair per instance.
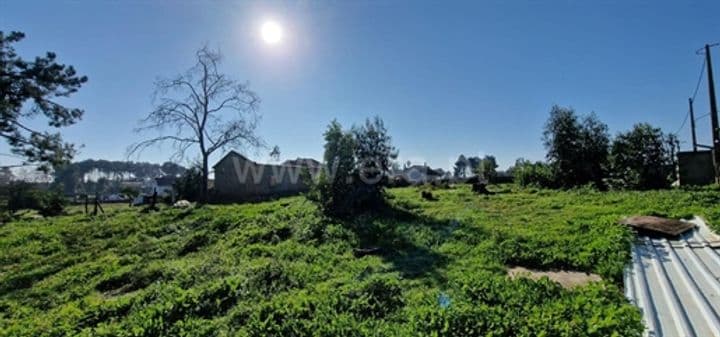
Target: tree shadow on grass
{"points": [[404, 239]]}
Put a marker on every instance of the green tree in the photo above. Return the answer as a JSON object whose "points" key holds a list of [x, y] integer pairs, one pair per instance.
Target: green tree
{"points": [[577, 150], [334, 186], [374, 153], [488, 168], [474, 163], [36, 84], [527, 173], [24, 195], [595, 150], [643, 158], [357, 163], [460, 167], [189, 184]]}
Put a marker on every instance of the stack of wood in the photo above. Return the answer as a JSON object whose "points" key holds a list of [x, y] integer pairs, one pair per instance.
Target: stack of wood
{"points": [[658, 225]]}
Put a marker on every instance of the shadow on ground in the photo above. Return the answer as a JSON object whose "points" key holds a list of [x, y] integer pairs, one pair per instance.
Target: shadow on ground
{"points": [[407, 240]]}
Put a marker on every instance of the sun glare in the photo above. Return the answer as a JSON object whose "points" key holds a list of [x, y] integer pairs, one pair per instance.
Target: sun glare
{"points": [[271, 32]]}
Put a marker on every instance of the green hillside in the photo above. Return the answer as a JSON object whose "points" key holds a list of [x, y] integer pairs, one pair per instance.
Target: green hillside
{"points": [[435, 268]]}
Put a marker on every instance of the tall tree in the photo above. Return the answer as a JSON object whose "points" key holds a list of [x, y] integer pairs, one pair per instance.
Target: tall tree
{"points": [[577, 149], [334, 186], [460, 167], [36, 84], [595, 145], [474, 163], [488, 168], [643, 157], [374, 153], [374, 150], [204, 109], [561, 138]]}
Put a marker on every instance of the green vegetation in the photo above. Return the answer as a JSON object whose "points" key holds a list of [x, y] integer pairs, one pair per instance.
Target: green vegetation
{"points": [[39, 84], [357, 162], [22, 195], [280, 269], [580, 152]]}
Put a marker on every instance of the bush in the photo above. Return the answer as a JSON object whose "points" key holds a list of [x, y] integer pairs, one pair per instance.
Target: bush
{"points": [[189, 185], [23, 195], [51, 203], [356, 164], [376, 297], [536, 174]]}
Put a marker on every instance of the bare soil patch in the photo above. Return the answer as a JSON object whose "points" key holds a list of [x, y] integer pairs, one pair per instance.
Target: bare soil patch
{"points": [[567, 279]]}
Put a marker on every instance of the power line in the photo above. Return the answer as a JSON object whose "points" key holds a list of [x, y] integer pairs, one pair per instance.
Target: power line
{"points": [[683, 123], [697, 86], [702, 116]]}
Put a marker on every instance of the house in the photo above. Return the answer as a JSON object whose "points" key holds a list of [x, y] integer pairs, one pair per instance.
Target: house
{"points": [[420, 174], [238, 178], [115, 197], [163, 185]]}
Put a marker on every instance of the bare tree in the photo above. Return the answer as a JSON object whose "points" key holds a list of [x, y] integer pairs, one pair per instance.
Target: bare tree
{"points": [[201, 109]]}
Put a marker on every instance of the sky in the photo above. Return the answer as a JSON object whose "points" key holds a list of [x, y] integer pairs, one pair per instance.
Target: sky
{"points": [[447, 78]]}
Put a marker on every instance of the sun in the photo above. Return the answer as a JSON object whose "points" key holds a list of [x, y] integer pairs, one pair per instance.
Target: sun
{"points": [[271, 32]]}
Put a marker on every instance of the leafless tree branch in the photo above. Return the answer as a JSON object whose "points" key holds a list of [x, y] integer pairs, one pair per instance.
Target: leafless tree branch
{"points": [[201, 108]]}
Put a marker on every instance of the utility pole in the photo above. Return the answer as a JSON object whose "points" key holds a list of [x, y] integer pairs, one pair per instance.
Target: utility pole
{"points": [[692, 124], [713, 114]]}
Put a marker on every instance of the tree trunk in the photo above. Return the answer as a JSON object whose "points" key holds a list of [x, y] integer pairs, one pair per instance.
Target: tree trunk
{"points": [[204, 196]]}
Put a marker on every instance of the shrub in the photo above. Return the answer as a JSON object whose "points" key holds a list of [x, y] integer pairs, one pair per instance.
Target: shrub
{"points": [[23, 195], [51, 203], [189, 184], [272, 277], [357, 163], [536, 174], [376, 297]]}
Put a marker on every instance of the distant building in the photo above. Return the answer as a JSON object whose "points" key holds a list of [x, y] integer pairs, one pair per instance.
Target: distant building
{"points": [[164, 186], [420, 174], [238, 178]]}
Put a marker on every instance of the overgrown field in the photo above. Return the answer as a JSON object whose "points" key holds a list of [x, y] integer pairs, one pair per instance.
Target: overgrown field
{"points": [[279, 269]]}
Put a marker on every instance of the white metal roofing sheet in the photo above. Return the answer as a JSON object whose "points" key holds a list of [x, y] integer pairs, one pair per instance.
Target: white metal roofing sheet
{"points": [[676, 283]]}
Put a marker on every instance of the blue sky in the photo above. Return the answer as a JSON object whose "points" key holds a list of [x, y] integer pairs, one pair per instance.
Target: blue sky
{"points": [[447, 77]]}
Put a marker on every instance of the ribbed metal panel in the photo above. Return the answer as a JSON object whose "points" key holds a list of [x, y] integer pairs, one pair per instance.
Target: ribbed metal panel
{"points": [[676, 283]]}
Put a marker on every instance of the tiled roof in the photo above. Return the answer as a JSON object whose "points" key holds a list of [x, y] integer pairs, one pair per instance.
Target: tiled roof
{"points": [[676, 283]]}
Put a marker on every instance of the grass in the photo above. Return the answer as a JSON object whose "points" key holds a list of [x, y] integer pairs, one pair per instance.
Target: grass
{"points": [[280, 269]]}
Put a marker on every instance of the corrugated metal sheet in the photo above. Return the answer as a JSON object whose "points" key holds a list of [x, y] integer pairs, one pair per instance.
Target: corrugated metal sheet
{"points": [[676, 283]]}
